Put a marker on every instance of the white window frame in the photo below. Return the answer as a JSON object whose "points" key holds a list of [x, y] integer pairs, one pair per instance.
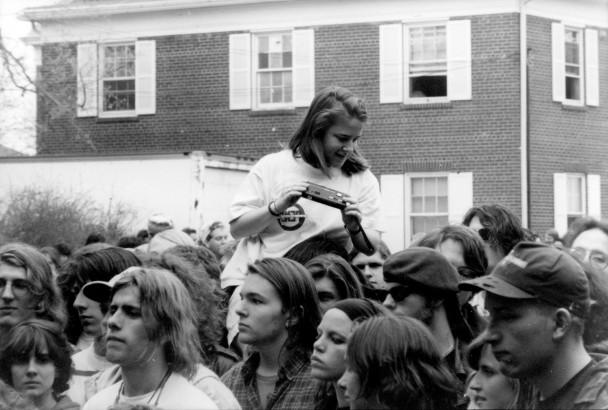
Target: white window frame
{"points": [[116, 113], [582, 66], [583, 195], [409, 214], [406, 63], [591, 194], [257, 104]]}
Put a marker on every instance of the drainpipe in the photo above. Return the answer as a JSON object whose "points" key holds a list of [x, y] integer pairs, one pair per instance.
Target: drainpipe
{"points": [[523, 73]]}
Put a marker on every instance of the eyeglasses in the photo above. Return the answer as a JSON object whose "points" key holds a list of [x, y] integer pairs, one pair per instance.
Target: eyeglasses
{"points": [[19, 287], [597, 259]]}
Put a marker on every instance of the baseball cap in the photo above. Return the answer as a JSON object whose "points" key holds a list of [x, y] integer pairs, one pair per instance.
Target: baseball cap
{"points": [[534, 270], [158, 223], [419, 266], [101, 291]]}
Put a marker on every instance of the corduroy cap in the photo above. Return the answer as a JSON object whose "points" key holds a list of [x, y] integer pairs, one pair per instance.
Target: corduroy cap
{"points": [[418, 266], [534, 270]]}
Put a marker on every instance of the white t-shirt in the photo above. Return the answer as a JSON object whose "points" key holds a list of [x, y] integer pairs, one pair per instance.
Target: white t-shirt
{"points": [[305, 219], [86, 363], [177, 394]]}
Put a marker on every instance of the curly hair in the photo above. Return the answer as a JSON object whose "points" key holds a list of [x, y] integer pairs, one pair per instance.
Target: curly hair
{"points": [[169, 315], [399, 365], [328, 105], [38, 271], [339, 271], [40, 339], [298, 294]]}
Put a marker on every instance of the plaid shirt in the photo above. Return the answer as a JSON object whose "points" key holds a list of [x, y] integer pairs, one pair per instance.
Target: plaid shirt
{"points": [[294, 389]]}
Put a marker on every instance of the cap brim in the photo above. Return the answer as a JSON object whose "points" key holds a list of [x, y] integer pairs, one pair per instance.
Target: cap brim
{"points": [[98, 291], [495, 285]]}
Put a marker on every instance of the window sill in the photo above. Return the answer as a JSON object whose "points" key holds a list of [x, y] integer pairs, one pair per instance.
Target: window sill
{"points": [[572, 107], [425, 105], [264, 113], [131, 118]]}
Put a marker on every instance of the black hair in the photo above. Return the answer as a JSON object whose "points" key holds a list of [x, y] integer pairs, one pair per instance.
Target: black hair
{"points": [[504, 227]]}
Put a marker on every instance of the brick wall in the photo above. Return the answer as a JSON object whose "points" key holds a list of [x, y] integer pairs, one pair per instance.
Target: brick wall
{"points": [[480, 135], [562, 139]]}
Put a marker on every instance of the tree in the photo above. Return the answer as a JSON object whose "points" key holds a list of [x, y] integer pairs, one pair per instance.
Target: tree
{"points": [[44, 217]]}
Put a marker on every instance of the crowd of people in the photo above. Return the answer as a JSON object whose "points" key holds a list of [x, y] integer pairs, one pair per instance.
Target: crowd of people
{"points": [[307, 308]]}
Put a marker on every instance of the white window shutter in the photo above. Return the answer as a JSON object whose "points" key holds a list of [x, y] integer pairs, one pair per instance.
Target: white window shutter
{"points": [[303, 67], [559, 61], [145, 77], [239, 60], [391, 63], [460, 195], [86, 103], [392, 190], [459, 59], [560, 203], [594, 196], [592, 67]]}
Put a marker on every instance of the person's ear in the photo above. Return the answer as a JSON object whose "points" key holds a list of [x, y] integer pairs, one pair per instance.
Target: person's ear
{"points": [[294, 316], [562, 322]]}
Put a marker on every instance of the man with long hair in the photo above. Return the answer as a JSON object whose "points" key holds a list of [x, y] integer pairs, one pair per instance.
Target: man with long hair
{"points": [[278, 317], [152, 336]]}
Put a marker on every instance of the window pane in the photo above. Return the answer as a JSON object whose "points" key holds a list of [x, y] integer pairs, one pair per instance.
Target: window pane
{"points": [[276, 60], [575, 194], [263, 44], [277, 79], [417, 186], [430, 204], [287, 86], [442, 186], [573, 88], [277, 94], [264, 95], [428, 86], [264, 79], [442, 204], [262, 60], [572, 53], [417, 204], [287, 58], [287, 42]]}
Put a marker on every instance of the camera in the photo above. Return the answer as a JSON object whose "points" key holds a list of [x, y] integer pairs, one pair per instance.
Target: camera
{"points": [[324, 195]]}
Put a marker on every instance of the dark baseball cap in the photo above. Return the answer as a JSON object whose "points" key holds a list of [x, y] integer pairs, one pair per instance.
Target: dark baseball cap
{"points": [[425, 267], [534, 270], [100, 291]]}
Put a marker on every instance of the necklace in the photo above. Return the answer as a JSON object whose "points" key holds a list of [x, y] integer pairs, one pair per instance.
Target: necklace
{"points": [[157, 392]]}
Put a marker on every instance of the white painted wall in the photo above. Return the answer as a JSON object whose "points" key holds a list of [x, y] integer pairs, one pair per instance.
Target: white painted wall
{"points": [[168, 184]]}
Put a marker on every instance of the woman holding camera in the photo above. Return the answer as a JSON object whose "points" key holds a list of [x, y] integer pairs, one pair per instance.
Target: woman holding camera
{"points": [[268, 215]]}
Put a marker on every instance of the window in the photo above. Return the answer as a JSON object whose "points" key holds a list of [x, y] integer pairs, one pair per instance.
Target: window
{"points": [[575, 195], [118, 77], [417, 203], [271, 70], [575, 188], [427, 70], [425, 62], [273, 75], [429, 204], [573, 60], [575, 54]]}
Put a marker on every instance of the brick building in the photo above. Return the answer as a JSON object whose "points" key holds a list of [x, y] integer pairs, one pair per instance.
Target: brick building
{"points": [[470, 101]]}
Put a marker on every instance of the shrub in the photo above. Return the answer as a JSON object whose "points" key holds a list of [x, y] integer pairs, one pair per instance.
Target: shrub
{"points": [[43, 216]]}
